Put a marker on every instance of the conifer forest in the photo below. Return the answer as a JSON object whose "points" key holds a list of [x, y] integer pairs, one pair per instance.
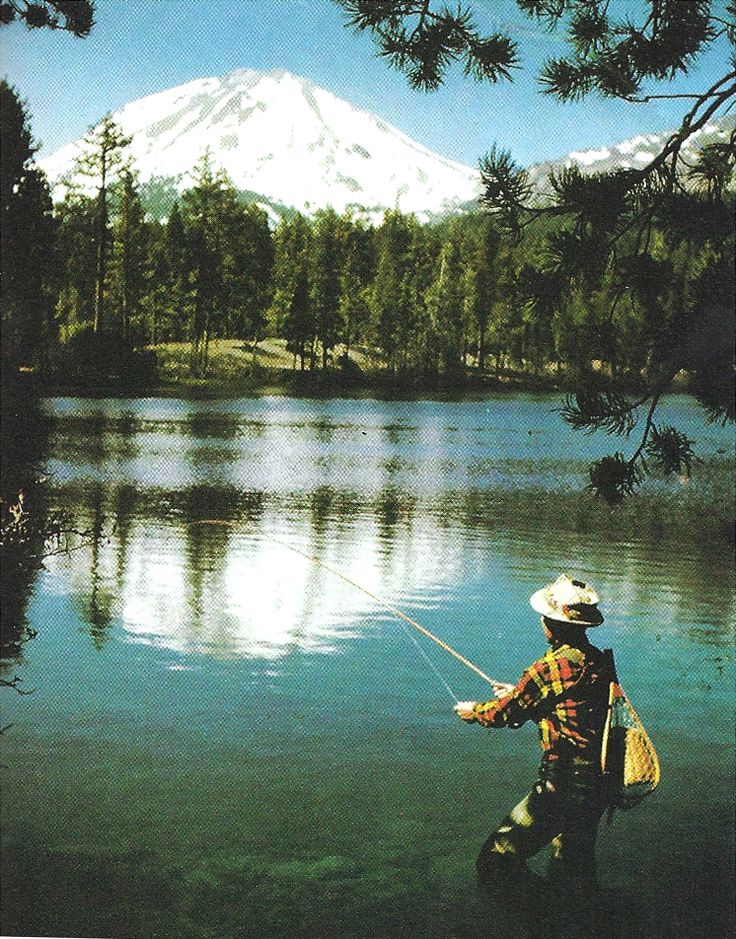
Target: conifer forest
{"points": [[433, 304]]}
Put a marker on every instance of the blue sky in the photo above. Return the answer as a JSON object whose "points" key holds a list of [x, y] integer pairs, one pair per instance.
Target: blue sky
{"points": [[142, 46]]}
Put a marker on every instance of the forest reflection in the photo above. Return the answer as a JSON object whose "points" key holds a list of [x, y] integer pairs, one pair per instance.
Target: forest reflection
{"points": [[199, 569]]}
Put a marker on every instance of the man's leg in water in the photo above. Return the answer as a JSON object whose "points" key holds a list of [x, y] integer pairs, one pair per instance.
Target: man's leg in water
{"points": [[532, 824], [515, 898], [573, 850]]}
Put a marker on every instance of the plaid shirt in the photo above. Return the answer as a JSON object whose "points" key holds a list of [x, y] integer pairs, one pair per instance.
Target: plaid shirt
{"points": [[565, 694]]}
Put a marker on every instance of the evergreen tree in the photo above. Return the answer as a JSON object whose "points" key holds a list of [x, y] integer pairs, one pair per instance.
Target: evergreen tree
{"points": [[292, 304], [247, 268], [26, 238], [229, 261], [130, 257], [357, 273], [483, 280], [416, 336], [176, 271], [201, 205], [391, 299], [76, 263], [327, 260], [446, 305], [99, 166], [155, 301], [73, 16]]}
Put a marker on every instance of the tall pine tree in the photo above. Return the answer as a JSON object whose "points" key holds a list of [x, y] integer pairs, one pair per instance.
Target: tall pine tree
{"points": [[26, 238], [292, 300], [129, 258], [328, 252], [98, 167]]}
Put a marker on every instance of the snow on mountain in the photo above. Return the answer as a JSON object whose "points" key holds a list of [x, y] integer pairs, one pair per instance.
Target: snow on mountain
{"points": [[289, 141], [290, 144], [631, 154]]}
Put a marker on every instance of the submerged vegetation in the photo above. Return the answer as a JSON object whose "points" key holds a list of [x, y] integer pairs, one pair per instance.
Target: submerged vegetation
{"points": [[374, 894]]}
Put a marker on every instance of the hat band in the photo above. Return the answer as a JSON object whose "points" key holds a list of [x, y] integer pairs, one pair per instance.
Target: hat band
{"points": [[580, 611]]}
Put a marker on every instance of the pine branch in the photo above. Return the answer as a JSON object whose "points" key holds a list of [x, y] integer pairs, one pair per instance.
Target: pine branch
{"points": [[72, 16], [15, 684], [590, 411], [648, 426]]}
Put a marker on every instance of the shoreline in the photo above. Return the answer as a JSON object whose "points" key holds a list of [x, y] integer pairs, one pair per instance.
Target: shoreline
{"points": [[239, 370], [308, 384], [296, 385]]}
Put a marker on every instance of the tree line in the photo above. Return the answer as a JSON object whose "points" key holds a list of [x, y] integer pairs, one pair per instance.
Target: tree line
{"points": [[429, 302]]}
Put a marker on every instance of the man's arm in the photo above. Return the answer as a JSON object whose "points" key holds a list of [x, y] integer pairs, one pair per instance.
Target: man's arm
{"points": [[514, 705]]}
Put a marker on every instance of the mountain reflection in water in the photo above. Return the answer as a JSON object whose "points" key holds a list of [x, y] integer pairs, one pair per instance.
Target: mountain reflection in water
{"points": [[406, 498]]}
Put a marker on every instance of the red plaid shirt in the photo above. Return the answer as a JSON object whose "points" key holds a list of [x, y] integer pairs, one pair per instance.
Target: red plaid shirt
{"points": [[565, 694]]}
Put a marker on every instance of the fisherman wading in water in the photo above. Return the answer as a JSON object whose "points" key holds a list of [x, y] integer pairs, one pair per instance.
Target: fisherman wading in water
{"points": [[566, 694]]}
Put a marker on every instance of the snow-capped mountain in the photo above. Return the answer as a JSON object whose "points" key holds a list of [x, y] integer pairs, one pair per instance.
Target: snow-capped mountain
{"points": [[290, 144], [633, 153], [285, 139]]}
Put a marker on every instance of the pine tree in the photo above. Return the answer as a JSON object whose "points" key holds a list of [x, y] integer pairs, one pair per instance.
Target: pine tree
{"points": [[27, 234], [75, 265], [248, 256], [130, 256], [292, 299], [73, 16], [176, 272], [614, 52], [445, 302], [357, 273], [100, 164], [391, 299], [483, 275], [156, 299], [327, 260], [200, 205], [416, 337]]}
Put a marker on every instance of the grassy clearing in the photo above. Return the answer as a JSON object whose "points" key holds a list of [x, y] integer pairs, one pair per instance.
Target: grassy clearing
{"points": [[236, 367]]}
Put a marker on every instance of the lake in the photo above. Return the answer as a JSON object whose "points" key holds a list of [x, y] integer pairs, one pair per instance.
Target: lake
{"points": [[225, 739]]}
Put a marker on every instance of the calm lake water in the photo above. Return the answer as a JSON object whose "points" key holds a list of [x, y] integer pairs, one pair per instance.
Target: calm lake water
{"points": [[226, 740]]}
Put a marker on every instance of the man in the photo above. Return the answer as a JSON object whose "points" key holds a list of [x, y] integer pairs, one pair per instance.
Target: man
{"points": [[566, 694]]}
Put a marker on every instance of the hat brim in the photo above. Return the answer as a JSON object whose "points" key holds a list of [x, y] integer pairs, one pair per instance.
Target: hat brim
{"points": [[541, 604]]}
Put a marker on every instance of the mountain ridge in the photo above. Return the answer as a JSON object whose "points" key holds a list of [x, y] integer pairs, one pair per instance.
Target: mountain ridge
{"points": [[294, 146], [259, 126]]}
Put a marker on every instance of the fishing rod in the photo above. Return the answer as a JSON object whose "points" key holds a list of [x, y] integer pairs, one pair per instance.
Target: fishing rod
{"points": [[384, 603]]}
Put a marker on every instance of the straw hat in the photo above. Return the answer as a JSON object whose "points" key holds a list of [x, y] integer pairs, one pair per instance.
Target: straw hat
{"points": [[568, 601]]}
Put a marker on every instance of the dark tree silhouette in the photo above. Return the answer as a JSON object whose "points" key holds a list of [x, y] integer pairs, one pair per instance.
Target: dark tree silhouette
{"points": [[26, 237], [608, 222], [73, 16]]}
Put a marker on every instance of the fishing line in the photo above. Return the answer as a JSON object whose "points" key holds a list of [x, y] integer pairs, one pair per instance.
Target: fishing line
{"points": [[392, 609], [430, 663]]}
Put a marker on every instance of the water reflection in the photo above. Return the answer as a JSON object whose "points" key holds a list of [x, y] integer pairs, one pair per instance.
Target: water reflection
{"points": [[197, 570], [414, 499], [278, 445], [195, 579]]}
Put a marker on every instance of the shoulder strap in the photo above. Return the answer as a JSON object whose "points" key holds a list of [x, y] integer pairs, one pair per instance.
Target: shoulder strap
{"points": [[610, 664]]}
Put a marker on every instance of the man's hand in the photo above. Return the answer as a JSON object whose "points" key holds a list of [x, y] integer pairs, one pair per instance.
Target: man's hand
{"points": [[501, 688], [464, 710]]}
